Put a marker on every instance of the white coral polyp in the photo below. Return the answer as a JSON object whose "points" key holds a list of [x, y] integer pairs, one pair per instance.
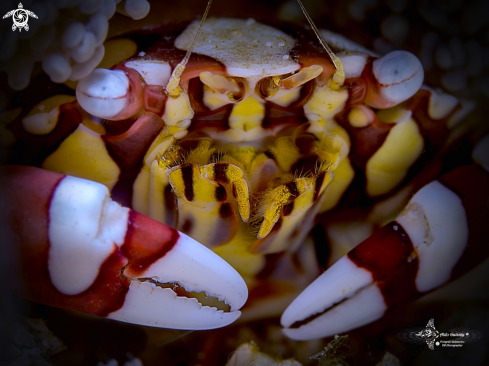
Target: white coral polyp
{"points": [[67, 39]]}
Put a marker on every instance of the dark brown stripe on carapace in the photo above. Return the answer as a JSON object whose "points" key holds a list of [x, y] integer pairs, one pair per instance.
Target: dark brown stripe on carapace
{"points": [[220, 170], [188, 177], [384, 251], [225, 210], [293, 190], [187, 225], [294, 193], [220, 193], [288, 208], [318, 183], [128, 148], [146, 241]]}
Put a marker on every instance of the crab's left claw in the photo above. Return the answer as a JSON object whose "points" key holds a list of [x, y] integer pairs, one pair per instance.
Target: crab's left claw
{"points": [[441, 234], [82, 251]]}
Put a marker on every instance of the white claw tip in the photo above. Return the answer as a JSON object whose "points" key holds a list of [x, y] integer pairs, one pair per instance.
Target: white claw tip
{"points": [[399, 74], [103, 93]]}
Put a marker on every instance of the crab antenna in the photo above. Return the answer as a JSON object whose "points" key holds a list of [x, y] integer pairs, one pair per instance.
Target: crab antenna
{"points": [[339, 75], [172, 86]]}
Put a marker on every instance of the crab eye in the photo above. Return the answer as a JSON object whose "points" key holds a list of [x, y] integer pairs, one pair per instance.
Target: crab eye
{"points": [[268, 87]]}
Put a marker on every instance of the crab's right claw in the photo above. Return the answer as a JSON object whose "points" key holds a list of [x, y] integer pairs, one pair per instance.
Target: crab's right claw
{"points": [[441, 234], [80, 250]]}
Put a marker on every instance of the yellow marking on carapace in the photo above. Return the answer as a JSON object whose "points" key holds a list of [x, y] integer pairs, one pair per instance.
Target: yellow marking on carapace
{"points": [[158, 182], [199, 210], [247, 114], [165, 154], [177, 109], [116, 51], [158, 148], [203, 188], [333, 145], [293, 223], [359, 117], [201, 154], [92, 124], [42, 119], [83, 154], [236, 160], [343, 176], [326, 102], [396, 114], [140, 191], [285, 152], [235, 175], [284, 98], [237, 254], [7, 138], [389, 165]]}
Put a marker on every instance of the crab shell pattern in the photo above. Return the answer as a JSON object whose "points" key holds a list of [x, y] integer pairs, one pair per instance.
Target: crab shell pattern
{"points": [[226, 177]]}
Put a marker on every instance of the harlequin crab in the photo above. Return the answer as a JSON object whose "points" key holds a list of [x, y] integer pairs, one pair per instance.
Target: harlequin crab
{"points": [[256, 143]]}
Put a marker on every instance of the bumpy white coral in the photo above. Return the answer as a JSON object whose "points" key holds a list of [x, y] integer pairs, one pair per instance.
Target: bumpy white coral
{"points": [[67, 37]]}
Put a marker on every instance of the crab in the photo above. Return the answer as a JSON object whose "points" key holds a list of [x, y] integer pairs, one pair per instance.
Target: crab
{"points": [[156, 190]]}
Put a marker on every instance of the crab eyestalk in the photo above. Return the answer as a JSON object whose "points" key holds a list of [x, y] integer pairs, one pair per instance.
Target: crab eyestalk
{"points": [[80, 250]]}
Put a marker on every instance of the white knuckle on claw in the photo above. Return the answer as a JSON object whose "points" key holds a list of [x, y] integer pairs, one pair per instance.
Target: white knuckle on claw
{"points": [[109, 94], [399, 76], [91, 243]]}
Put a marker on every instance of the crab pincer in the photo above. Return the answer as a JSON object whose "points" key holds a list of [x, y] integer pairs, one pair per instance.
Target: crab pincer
{"points": [[436, 238], [80, 250]]}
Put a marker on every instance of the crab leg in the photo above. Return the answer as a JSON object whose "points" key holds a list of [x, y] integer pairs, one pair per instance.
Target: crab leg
{"points": [[82, 251], [437, 237]]}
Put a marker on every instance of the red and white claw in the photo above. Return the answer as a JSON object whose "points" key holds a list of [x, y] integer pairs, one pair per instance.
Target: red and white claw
{"points": [[441, 234], [82, 251]]}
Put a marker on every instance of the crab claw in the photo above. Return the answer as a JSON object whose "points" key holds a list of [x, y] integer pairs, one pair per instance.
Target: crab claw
{"points": [[441, 234], [82, 251]]}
